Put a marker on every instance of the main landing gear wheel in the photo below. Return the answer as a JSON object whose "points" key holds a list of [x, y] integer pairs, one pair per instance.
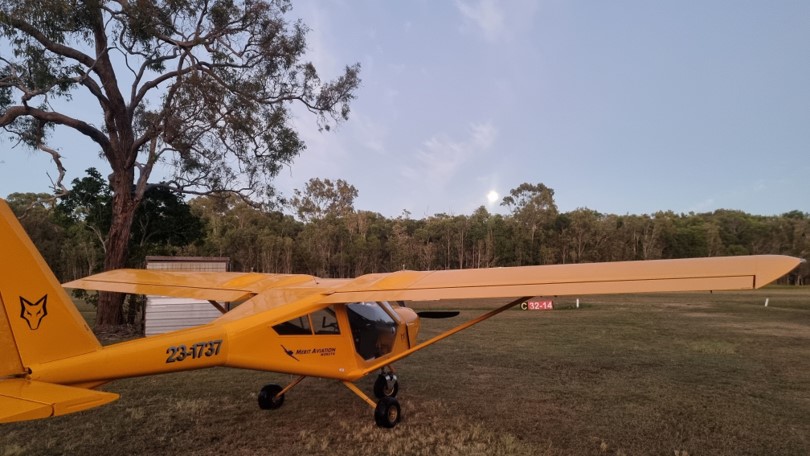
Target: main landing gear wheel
{"points": [[386, 385], [268, 399], [387, 413]]}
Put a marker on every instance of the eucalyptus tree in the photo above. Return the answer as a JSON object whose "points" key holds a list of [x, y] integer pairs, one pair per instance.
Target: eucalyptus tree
{"points": [[327, 209], [533, 211], [204, 88], [323, 197], [162, 224]]}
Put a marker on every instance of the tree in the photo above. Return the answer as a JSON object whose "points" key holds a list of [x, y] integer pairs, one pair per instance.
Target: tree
{"points": [[162, 223], [326, 207], [163, 219], [533, 209], [205, 86], [482, 254], [584, 236], [324, 197], [88, 205]]}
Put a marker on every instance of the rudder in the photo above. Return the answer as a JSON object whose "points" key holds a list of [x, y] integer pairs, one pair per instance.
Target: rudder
{"points": [[39, 322], [10, 362]]}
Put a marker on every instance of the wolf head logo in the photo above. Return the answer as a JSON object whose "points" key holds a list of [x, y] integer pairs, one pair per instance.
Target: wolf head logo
{"points": [[33, 313]]}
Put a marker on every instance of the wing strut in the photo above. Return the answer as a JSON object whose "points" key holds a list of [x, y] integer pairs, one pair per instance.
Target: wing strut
{"points": [[219, 306], [444, 335]]}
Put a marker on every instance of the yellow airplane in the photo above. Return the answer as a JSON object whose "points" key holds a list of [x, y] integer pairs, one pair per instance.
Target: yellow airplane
{"points": [[341, 329]]}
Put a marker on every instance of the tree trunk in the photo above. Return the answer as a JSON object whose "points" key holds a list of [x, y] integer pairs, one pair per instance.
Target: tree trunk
{"points": [[110, 305]]}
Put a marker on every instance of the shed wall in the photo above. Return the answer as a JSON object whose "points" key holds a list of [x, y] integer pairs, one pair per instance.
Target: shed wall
{"points": [[164, 314]]}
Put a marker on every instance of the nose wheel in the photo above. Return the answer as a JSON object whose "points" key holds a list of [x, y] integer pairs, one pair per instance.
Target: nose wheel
{"points": [[386, 385]]}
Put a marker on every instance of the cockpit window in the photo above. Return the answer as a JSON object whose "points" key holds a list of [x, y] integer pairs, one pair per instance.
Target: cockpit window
{"points": [[373, 330], [298, 326], [325, 322]]}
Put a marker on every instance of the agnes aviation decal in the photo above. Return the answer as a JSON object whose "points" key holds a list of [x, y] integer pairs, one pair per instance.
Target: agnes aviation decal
{"points": [[33, 312], [323, 351]]}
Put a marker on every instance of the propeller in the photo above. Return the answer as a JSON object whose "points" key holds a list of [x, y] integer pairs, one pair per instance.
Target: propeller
{"points": [[437, 313], [433, 313]]}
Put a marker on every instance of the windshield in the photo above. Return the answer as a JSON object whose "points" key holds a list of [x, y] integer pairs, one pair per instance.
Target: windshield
{"points": [[373, 330]]}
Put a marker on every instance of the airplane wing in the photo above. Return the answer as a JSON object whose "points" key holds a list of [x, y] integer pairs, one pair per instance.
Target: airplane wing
{"points": [[215, 286], [717, 273], [695, 274]]}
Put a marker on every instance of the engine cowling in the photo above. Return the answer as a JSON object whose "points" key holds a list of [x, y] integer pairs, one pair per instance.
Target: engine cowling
{"points": [[411, 321]]}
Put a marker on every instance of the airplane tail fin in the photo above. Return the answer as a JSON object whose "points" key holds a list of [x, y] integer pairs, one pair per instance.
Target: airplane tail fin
{"points": [[38, 320]]}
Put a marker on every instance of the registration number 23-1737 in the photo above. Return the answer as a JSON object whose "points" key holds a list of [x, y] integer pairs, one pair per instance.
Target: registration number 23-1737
{"points": [[181, 352]]}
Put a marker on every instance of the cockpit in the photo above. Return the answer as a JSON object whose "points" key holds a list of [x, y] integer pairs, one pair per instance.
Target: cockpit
{"points": [[375, 326]]}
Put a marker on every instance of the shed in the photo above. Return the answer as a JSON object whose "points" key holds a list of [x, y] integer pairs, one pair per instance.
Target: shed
{"points": [[164, 314]]}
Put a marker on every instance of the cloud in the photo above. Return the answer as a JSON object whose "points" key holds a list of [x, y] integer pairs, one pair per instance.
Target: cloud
{"points": [[440, 157], [485, 15], [367, 132], [498, 21], [483, 135]]}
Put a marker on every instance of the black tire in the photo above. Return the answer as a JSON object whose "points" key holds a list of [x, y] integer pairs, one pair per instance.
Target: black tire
{"points": [[387, 413], [268, 399], [381, 388]]}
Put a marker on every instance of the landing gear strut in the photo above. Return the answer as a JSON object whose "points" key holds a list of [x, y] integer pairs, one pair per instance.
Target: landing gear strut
{"points": [[387, 412]]}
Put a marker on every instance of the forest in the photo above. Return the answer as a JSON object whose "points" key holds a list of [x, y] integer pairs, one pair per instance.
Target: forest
{"points": [[319, 231]]}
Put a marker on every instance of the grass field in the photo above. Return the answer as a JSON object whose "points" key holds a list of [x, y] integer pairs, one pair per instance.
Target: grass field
{"points": [[677, 374]]}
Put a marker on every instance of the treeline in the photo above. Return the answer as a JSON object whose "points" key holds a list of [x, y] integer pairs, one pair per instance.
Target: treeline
{"points": [[320, 232]]}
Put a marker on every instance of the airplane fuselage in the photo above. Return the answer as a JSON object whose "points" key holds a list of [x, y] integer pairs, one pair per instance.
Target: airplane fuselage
{"points": [[341, 351]]}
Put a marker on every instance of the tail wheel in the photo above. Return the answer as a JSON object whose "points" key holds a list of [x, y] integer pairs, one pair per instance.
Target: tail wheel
{"points": [[387, 413], [386, 385], [268, 399]]}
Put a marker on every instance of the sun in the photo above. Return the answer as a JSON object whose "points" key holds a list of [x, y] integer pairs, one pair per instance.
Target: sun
{"points": [[492, 196]]}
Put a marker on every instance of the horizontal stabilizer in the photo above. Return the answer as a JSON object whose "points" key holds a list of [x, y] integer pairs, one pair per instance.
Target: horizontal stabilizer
{"points": [[22, 400]]}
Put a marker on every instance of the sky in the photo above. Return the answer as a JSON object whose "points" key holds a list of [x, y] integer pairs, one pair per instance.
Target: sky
{"points": [[619, 106]]}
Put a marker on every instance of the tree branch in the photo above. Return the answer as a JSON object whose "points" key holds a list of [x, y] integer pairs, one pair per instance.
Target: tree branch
{"points": [[157, 81], [14, 112], [136, 99], [56, 48], [58, 186]]}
